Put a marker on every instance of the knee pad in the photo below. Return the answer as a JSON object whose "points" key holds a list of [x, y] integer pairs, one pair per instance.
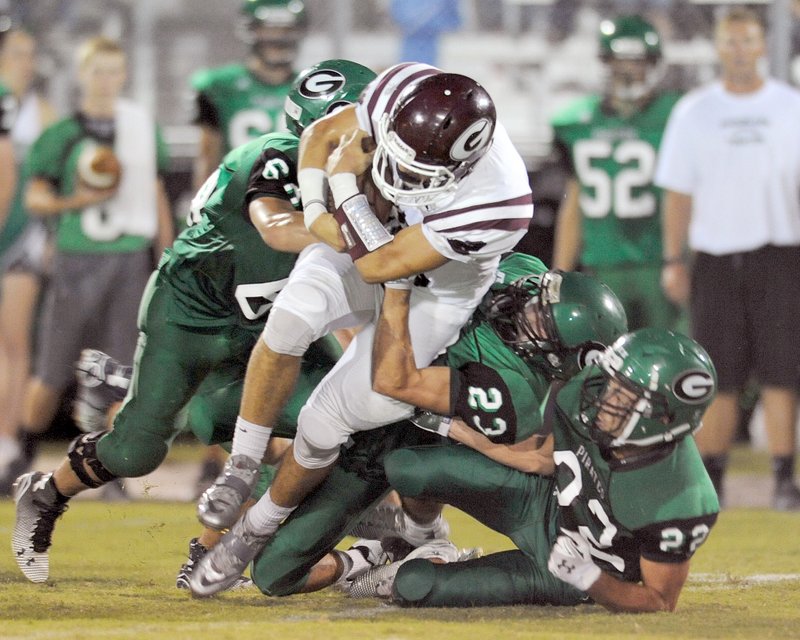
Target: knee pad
{"points": [[314, 453], [405, 473], [83, 451], [287, 333], [414, 582], [130, 453]]}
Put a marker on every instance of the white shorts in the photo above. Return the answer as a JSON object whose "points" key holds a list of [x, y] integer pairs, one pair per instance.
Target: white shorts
{"points": [[327, 292], [344, 401]]}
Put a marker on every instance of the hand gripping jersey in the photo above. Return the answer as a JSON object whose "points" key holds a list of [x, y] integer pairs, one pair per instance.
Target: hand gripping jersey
{"points": [[238, 104], [488, 214], [662, 511], [494, 390], [613, 160], [220, 267]]}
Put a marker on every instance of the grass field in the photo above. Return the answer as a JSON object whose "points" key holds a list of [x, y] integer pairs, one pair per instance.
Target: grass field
{"points": [[112, 574]]}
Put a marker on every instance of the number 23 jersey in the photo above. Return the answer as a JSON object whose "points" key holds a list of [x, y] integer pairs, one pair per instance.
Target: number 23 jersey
{"points": [[662, 511]]}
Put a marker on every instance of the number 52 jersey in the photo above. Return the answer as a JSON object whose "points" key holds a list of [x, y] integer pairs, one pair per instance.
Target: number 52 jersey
{"points": [[613, 159]]}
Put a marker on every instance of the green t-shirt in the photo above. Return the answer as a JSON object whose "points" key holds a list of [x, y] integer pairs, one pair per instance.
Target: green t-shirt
{"points": [[613, 160], [221, 270], [238, 104], [54, 157]]}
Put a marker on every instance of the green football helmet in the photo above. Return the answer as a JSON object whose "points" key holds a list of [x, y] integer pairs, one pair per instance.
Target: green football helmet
{"points": [[322, 89], [557, 321], [273, 29], [631, 48], [654, 384]]}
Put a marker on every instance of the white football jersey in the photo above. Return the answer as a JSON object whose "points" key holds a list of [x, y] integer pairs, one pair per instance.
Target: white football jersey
{"points": [[488, 214]]}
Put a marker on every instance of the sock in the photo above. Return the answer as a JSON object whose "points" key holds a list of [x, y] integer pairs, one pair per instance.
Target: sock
{"points": [[10, 450], [60, 497], [783, 468], [422, 530], [715, 466], [29, 442], [264, 517], [250, 439]]}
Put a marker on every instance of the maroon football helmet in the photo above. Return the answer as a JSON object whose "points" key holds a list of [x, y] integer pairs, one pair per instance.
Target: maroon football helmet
{"points": [[439, 128]]}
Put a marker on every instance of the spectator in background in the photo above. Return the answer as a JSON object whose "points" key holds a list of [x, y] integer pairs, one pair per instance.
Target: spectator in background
{"points": [[23, 249], [104, 238], [421, 22], [730, 163], [240, 102], [609, 222]]}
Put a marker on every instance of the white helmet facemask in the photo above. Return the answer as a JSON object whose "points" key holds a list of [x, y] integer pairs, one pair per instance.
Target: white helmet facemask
{"points": [[403, 180]]}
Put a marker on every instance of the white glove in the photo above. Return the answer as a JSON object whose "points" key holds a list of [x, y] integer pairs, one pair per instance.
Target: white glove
{"points": [[571, 561]]}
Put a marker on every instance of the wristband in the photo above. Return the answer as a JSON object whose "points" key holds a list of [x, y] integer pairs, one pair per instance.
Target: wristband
{"points": [[343, 186], [361, 229], [311, 182]]}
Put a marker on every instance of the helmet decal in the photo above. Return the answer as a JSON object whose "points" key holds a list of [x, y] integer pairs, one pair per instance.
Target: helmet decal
{"points": [[693, 387], [476, 137], [589, 353], [320, 83]]}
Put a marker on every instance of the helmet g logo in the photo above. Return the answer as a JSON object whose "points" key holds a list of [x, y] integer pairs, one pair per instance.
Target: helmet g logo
{"points": [[472, 140], [320, 83], [693, 387]]}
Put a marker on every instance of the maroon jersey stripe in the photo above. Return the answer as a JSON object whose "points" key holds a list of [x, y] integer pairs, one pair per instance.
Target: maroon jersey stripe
{"points": [[523, 200], [502, 224]]}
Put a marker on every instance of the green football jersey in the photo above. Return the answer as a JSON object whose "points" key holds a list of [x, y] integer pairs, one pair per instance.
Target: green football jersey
{"points": [[494, 390], [238, 104], [220, 267], [54, 157], [662, 510], [614, 160]]}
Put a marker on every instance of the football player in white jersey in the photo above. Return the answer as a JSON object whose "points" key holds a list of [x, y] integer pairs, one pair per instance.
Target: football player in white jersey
{"points": [[460, 197]]}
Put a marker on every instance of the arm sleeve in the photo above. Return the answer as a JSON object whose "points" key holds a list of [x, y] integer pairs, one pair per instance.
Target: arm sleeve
{"points": [[498, 403], [676, 540], [278, 183]]}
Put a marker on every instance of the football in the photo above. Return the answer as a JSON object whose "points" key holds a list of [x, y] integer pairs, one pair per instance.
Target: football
{"points": [[98, 167]]}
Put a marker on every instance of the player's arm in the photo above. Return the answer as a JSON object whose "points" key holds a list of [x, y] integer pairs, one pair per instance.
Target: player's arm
{"points": [[271, 201], [166, 222], [532, 455], [659, 589], [567, 241], [42, 199], [394, 370], [318, 142], [8, 177], [279, 225], [210, 143], [675, 231]]}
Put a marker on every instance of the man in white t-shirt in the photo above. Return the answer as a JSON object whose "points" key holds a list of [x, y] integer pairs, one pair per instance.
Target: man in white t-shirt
{"points": [[730, 165], [459, 198]]}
